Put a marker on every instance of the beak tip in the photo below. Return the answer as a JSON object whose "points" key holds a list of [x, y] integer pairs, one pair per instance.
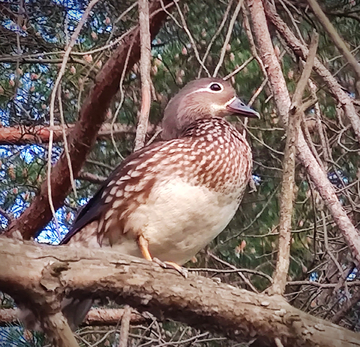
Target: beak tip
{"points": [[238, 107], [257, 115]]}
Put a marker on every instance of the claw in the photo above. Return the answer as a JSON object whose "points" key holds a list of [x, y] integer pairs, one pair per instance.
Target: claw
{"points": [[144, 247], [171, 265]]}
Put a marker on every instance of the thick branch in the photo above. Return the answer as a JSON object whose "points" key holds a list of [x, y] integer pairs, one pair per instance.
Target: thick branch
{"points": [[282, 101], [82, 137], [197, 301]]}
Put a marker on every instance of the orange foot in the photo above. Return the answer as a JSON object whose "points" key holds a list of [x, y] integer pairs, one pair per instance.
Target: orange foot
{"points": [[144, 248]]}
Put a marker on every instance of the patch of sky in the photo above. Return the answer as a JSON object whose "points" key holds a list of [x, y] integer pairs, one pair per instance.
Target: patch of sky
{"points": [[75, 14], [313, 277], [13, 337], [12, 26], [30, 153], [5, 151], [54, 232], [19, 207], [257, 179], [6, 65], [3, 222], [353, 275]]}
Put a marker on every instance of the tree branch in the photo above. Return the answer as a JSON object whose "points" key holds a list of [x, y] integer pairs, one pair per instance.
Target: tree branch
{"points": [[301, 51], [22, 135], [145, 65], [288, 180], [197, 301], [95, 317]]}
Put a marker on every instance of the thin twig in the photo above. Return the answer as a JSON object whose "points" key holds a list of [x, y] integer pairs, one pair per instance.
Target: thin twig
{"points": [[251, 286], [218, 31], [66, 147], [53, 96], [239, 68], [227, 38], [122, 98], [336, 39], [187, 31]]}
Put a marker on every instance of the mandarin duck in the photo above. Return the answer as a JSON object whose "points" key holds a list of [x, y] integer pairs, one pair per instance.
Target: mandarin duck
{"points": [[168, 200]]}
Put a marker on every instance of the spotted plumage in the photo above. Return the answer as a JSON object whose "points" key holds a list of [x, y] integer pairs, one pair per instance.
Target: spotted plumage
{"points": [[170, 199], [157, 192]]}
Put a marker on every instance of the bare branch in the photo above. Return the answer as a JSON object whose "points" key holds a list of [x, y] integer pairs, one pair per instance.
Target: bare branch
{"points": [[300, 50], [288, 180], [56, 90], [96, 316], [145, 66], [22, 135], [125, 326], [228, 37], [87, 176]]}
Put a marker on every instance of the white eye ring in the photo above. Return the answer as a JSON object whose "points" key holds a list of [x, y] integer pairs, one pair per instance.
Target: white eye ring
{"points": [[216, 87]]}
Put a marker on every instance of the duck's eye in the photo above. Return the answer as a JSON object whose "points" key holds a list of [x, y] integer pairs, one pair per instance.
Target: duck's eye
{"points": [[216, 87]]}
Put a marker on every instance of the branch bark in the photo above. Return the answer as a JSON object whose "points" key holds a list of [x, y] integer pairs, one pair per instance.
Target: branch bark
{"points": [[95, 317], [288, 180], [282, 101], [197, 301], [83, 135], [145, 65], [22, 135]]}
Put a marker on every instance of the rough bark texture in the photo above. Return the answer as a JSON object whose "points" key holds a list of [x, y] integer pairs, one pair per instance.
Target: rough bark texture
{"points": [[51, 271], [83, 135]]}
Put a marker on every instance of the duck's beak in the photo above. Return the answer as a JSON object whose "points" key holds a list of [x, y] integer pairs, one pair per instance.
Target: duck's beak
{"points": [[237, 107]]}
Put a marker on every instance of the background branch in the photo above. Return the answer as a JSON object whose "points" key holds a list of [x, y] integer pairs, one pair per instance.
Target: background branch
{"points": [[145, 66], [288, 180]]}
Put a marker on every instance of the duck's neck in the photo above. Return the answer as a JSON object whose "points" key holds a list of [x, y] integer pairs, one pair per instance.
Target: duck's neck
{"points": [[212, 127]]}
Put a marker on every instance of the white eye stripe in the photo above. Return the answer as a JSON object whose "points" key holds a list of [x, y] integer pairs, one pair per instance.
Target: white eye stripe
{"points": [[207, 89]]}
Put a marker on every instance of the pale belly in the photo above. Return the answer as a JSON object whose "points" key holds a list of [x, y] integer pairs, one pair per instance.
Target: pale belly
{"points": [[179, 220]]}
